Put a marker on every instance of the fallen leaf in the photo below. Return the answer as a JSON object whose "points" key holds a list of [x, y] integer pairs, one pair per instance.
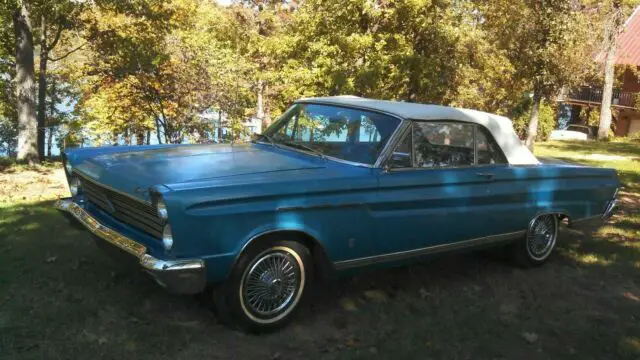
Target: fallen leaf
{"points": [[351, 342], [348, 304], [52, 259], [630, 296], [508, 308], [424, 293], [530, 337], [376, 295]]}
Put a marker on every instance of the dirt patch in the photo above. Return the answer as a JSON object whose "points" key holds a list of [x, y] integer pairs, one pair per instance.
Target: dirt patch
{"points": [[32, 184]]}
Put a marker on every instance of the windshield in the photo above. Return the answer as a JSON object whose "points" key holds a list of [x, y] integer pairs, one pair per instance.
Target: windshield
{"points": [[326, 130]]}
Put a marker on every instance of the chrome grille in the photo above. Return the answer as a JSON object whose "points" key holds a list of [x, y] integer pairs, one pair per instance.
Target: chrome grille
{"points": [[124, 208]]}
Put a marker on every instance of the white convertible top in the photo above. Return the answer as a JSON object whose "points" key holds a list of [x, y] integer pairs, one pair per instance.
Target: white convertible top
{"points": [[500, 127]]}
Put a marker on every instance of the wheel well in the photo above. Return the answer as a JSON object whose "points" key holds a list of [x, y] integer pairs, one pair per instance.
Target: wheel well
{"points": [[562, 217], [322, 265]]}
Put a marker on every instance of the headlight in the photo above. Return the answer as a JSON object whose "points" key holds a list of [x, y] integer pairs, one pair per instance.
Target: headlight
{"points": [[68, 167], [167, 237], [161, 207], [75, 186]]}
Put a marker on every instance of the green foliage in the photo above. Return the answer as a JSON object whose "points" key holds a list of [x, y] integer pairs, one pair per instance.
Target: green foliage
{"points": [[394, 50], [130, 67], [593, 117], [547, 119], [635, 137]]}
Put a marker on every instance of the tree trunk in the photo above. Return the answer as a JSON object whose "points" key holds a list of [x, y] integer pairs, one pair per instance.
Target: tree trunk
{"points": [[25, 87], [148, 137], [610, 41], [49, 122], [127, 137], [220, 126], [42, 87], [49, 140], [532, 132], [140, 138], [158, 130], [260, 103]]}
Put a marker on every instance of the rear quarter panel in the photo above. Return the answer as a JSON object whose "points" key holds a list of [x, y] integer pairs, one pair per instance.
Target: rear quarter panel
{"points": [[578, 192]]}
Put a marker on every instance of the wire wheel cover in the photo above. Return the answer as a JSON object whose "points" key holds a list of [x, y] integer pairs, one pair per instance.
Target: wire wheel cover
{"points": [[541, 236], [271, 283]]}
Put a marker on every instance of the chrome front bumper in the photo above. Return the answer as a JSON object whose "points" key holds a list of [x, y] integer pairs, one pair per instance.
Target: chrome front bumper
{"points": [[185, 276]]}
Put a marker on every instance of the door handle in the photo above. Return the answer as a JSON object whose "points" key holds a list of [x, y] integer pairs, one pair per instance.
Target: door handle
{"points": [[485, 175]]}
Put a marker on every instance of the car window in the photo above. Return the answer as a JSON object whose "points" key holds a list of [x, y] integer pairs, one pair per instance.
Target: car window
{"points": [[401, 156], [488, 152], [345, 133], [440, 144], [446, 144], [368, 131]]}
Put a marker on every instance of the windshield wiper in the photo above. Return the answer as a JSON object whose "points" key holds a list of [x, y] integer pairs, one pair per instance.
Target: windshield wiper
{"points": [[304, 147], [269, 138]]}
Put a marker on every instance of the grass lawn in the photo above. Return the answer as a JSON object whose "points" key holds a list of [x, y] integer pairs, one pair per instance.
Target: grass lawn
{"points": [[60, 297]]}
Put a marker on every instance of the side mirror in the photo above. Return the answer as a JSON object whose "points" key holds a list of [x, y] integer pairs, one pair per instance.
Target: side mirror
{"points": [[399, 160]]}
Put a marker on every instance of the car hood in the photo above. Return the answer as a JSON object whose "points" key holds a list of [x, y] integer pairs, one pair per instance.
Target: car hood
{"points": [[180, 164]]}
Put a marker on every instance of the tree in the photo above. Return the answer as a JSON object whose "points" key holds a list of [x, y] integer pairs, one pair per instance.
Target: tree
{"points": [[546, 41], [421, 51], [55, 17], [170, 62], [25, 85], [614, 12], [8, 115]]}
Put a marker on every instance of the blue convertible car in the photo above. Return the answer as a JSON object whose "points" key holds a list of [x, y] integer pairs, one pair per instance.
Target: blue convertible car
{"points": [[336, 183]]}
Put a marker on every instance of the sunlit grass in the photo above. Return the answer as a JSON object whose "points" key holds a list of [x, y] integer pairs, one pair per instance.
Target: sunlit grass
{"points": [[627, 157], [630, 347], [612, 230], [581, 257]]}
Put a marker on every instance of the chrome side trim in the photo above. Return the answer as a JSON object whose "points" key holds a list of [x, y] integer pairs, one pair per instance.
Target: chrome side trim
{"points": [[186, 276], [319, 206], [346, 264], [353, 163]]}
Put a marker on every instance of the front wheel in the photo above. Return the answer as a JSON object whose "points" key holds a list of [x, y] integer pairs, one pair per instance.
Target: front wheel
{"points": [[538, 244], [265, 287]]}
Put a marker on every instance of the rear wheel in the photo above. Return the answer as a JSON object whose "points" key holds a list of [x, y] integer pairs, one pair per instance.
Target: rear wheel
{"points": [[538, 244], [266, 286]]}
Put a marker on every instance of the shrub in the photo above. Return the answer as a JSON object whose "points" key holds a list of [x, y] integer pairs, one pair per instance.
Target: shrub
{"points": [[546, 119], [635, 137]]}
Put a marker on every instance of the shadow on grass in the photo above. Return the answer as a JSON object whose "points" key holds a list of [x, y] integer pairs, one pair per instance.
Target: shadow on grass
{"points": [[60, 297], [8, 165]]}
